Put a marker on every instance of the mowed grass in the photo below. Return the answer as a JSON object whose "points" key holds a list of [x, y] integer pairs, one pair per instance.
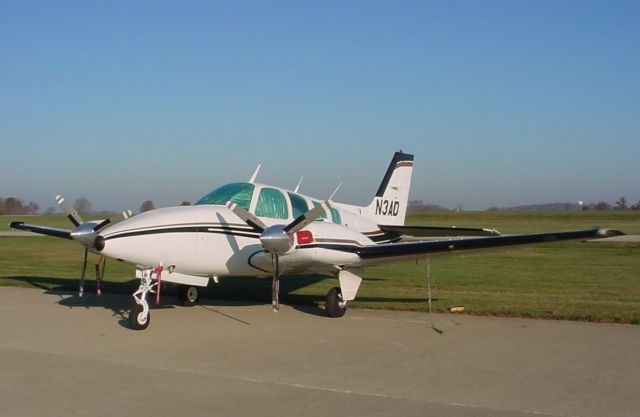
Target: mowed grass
{"points": [[568, 280]]}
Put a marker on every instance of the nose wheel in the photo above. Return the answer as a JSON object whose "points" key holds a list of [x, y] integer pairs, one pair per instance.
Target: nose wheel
{"points": [[138, 318]]}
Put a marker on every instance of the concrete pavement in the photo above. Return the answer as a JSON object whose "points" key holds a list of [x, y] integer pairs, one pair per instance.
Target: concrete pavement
{"points": [[61, 356]]}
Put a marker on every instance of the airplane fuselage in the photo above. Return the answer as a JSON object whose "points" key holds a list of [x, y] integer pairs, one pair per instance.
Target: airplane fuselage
{"points": [[210, 240]]}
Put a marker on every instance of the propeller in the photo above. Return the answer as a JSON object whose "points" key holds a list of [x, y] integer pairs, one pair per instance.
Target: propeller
{"points": [[85, 233], [278, 239]]}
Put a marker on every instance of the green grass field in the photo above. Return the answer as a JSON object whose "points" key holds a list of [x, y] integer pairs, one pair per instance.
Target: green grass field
{"points": [[568, 280]]}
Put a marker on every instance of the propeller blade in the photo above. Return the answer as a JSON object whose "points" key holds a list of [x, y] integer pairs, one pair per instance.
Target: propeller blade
{"points": [[112, 220], [275, 286], [247, 217], [71, 213], [84, 273], [306, 218]]}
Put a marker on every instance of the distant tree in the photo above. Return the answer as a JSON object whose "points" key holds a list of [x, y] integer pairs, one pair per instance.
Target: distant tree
{"points": [[637, 206], [185, 203], [50, 210], [32, 208], [13, 205], [415, 205], [493, 208], [602, 205], [147, 206], [83, 205], [621, 204]]}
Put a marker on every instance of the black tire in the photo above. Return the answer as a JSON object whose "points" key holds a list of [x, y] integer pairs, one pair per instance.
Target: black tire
{"points": [[188, 295], [332, 303], [136, 321]]}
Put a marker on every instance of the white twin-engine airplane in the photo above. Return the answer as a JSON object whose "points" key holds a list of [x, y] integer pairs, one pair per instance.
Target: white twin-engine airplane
{"points": [[251, 229]]}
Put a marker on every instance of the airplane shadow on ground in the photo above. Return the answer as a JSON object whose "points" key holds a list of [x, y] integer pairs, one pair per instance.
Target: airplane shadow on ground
{"points": [[236, 291]]}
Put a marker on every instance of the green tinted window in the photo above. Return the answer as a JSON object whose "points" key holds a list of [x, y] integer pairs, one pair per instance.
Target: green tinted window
{"points": [[271, 203], [237, 192], [298, 204], [324, 215], [335, 216]]}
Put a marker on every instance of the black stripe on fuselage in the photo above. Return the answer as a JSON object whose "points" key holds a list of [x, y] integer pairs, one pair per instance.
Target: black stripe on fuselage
{"points": [[223, 230]]}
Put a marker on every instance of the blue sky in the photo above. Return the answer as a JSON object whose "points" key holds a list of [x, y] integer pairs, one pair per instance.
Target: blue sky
{"points": [[502, 103]]}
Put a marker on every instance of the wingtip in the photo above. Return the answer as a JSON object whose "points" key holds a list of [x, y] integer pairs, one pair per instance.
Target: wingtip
{"points": [[609, 232]]}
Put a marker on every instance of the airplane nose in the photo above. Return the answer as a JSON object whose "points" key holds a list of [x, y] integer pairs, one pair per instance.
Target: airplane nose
{"points": [[98, 243]]}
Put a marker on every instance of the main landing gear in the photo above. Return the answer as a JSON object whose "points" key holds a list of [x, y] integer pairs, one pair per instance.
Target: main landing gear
{"points": [[188, 295], [335, 306], [337, 297]]}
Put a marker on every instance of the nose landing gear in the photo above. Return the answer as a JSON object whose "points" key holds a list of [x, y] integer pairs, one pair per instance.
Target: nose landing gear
{"points": [[139, 316]]}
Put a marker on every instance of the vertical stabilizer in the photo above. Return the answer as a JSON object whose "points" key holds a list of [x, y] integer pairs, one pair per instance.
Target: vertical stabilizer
{"points": [[389, 206]]}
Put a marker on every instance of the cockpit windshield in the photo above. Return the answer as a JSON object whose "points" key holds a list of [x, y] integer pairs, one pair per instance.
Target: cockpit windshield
{"points": [[236, 192]]}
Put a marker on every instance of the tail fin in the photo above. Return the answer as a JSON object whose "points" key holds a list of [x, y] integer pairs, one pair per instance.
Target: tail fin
{"points": [[389, 206]]}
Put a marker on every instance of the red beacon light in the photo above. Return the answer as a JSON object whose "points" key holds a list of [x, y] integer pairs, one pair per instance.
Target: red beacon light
{"points": [[304, 237]]}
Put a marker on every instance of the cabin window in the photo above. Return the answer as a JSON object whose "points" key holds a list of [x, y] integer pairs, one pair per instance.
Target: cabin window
{"points": [[271, 203], [298, 205], [324, 213], [335, 216], [237, 192]]}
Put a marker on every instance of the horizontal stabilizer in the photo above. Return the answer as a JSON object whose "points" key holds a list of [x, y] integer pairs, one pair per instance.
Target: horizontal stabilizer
{"points": [[43, 230], [439, 231]]}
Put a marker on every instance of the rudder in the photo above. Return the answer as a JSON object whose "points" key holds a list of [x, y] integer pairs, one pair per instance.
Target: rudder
{"points": [[389, 206]]}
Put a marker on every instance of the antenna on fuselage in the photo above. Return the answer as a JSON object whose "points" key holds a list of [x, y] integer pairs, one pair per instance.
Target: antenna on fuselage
{"points": [[295, 190], [255, 173], [335, 191]]}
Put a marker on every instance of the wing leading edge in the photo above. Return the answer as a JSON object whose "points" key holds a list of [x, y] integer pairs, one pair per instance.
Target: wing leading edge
{"points": [[391, 251]]}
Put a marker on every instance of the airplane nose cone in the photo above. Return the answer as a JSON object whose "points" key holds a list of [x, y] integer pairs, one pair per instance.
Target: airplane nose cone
{"points": [[99, 243]]}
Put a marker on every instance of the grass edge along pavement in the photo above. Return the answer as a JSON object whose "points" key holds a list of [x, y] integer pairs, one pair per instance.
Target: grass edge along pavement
{"points": [[568, 280]]}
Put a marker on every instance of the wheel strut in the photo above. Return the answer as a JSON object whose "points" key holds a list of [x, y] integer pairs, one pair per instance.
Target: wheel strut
{"points": [[139, 316]]}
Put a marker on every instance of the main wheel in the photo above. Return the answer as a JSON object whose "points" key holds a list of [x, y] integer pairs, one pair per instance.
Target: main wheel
{"points": [[138, 320], [334, 305], [188, 295]]}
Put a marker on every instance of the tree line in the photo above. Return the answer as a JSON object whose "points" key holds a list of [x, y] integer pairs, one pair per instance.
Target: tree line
{"points": [[15, 206], [620, 205]]}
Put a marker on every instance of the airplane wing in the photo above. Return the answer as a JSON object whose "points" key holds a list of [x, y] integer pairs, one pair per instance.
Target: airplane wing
{"points": [[395, 251], [438, 231], [43, 230]]}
